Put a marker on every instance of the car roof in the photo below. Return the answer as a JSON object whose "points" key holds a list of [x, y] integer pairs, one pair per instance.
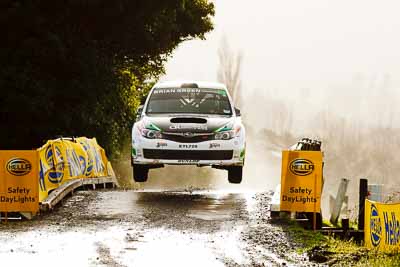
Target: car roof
{"points": [[200, 84]]}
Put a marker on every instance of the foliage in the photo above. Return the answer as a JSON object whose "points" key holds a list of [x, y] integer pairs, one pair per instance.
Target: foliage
{"points": [[337, 252], [308, 239], [79, 67]]}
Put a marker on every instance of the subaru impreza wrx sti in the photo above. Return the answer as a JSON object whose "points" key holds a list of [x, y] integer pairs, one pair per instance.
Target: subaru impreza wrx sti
{"points": [[188, 123]]}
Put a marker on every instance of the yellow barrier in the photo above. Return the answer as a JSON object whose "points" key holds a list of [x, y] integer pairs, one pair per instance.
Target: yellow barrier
{"points": [[301, 181], [18, 185], [382, 226], [55, 163], [64, 159]]}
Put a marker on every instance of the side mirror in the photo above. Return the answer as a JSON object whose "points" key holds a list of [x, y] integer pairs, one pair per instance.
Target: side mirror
{"points": [[139, 112], [237, 111]]}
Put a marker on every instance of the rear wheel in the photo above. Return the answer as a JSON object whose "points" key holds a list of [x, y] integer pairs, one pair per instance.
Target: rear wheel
{"points": [[235, 174], [140, 173]]}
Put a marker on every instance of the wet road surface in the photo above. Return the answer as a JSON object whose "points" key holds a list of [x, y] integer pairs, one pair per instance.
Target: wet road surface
{"points": [[130, 228]]}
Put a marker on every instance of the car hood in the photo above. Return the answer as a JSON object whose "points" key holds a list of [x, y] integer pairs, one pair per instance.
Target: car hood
{"points": [[188, 123]]}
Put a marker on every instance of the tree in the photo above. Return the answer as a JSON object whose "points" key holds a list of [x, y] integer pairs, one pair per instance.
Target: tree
{"points": [[78, 67], [229, 69]]}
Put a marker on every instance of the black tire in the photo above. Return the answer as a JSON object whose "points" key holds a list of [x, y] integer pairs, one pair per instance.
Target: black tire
{"points": [[235, 174], [140, 173]]}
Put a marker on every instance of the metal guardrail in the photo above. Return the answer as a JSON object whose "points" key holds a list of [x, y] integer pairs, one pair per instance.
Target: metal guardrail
{"points": [[69, 187]]}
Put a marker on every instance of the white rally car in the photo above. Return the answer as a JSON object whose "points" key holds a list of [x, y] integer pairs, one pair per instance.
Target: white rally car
{"points": [[188, 123]]}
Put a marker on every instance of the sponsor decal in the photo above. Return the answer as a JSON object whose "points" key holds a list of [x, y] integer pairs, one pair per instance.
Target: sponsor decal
{"points": [[188, 127], [392, 228], [222, 92], [188, 146], [382, 226], [375, 226], [188, 161], [18, 195], [161, 144], [19, 166], [90, 163], [56, 173], [214, 145], [187, 134], [20, 181], [301, 167], [76, 163], [300, 191], [153, 127], [42, 183], [299, 195], [242, 154], [227, 127], [177, 90]]}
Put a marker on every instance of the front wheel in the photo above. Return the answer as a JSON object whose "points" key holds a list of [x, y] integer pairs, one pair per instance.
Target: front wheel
{"points": [[235, 174], [140, 173]]}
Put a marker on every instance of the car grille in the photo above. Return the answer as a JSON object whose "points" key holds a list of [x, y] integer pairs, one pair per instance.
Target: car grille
{"points": [[188, 154], [180, 138]]}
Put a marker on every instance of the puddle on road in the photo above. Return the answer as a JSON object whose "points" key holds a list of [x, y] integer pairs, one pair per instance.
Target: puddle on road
{"points": [[111, 203], [126, 243], [164, 247], [122, 246], [173, 248], [40, 248], [214, 207], [204, 205]]}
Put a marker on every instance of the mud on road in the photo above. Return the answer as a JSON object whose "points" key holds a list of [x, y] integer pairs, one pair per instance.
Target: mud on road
{"points": [[131, 228]]}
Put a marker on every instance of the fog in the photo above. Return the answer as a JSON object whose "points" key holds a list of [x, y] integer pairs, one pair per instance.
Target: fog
{"points": [[297, 44], [322, 69]]}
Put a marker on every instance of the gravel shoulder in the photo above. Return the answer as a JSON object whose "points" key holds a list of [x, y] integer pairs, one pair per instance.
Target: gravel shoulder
{"points": [[131, 228]]}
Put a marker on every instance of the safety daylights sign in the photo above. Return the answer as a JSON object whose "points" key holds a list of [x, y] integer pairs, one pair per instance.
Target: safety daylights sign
{"points": [[19, 181], [382, 226], [301, 181]]}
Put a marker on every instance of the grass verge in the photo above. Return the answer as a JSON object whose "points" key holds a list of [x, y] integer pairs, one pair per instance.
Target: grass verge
{"points": [[335, 252]]}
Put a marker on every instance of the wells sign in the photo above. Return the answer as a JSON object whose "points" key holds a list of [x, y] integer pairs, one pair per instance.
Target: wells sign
{"points": [[19, 181], [301, 181]]}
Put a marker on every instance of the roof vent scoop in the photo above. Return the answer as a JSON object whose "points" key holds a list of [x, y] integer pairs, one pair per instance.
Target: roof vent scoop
{"points": [[188, 120], [189, 85]]}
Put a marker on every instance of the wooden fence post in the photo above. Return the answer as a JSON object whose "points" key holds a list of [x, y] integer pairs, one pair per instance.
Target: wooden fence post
{"points": [[363, 194]]}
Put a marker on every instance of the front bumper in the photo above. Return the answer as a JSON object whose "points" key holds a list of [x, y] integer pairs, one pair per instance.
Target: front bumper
{"points": [[206, 153]]}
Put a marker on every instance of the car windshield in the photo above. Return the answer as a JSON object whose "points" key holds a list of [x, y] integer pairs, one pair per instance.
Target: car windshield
{"points": [[189, 100]]}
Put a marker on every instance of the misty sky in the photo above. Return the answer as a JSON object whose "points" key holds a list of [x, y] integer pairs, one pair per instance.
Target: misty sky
{"points": [[299, 43], [346, 52]]}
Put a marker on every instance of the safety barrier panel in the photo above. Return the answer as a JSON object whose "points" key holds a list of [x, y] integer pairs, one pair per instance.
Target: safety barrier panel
{"points": [[65, 159], [382, 226], [27, 177], [18, 183], [301, 181]]}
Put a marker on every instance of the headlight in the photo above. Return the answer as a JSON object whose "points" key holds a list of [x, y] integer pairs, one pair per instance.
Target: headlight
{"points": [[151, 134], [226, 135]]}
